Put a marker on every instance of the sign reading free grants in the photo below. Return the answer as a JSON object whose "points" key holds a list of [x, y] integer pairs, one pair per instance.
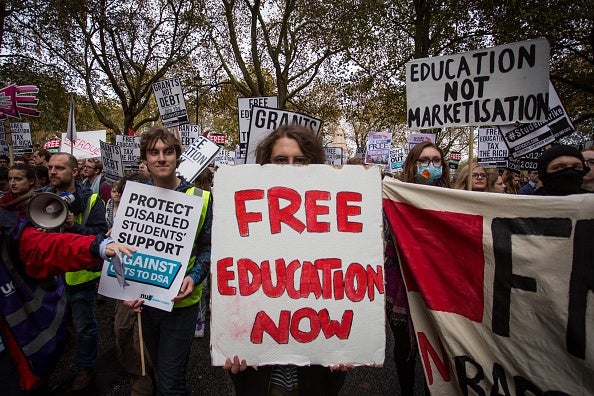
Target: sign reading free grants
{"points": [[297, 265], [161, 224]]}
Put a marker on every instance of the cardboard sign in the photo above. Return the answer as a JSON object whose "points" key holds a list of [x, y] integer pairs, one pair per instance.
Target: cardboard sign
{"points": [[499, 288], [492, 151], [197, 157], [170, 100], [21, 138], [53, 145], [162, 225], [493, 86], [4, 150], [225, 157], [416, 138], [111, 156], [378, 148], [396, 159], [527, 138], [334, 156], [265, 120], [188, 133], [86, 144], [244, 112], [527, 162], [297, 265], [130, 151]]}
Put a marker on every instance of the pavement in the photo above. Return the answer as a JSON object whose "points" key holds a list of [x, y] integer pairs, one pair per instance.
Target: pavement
{"points": [[203, 379]]}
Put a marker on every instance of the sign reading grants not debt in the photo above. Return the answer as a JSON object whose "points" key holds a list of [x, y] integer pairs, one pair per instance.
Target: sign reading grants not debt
{"points": [[492, 86], [297, 265]]}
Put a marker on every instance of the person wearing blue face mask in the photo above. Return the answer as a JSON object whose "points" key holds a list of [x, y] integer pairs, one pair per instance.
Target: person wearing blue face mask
{"points": [[424, 165]]}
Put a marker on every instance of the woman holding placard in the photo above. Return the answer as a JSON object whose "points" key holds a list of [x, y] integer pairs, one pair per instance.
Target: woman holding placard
{"points": [[287, 145]]}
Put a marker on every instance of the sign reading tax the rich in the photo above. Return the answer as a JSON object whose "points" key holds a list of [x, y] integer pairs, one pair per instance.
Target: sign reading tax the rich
{"points": [[297, 265], [161, 224]]}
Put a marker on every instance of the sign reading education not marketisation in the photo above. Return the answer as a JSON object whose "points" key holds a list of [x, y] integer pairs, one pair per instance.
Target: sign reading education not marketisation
{"points": [[527, 138], [265, 120], [170, 100], [492, 86], [297, 265], [499, 288], [161, 224]]}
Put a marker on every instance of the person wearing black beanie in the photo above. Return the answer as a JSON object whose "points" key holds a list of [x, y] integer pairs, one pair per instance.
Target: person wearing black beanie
{"points": [[561, 170]]}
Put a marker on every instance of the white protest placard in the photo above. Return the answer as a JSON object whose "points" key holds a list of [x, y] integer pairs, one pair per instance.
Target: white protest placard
{"points": [[499, 288], [225, 157], [161, 224], [86, 144], [170, 100], [130, 146], [334, 156], [492, 151], [297, 265], [396, 159], [416, 138], [111, 156], [21, 138], [244, 107], [265, 120], [197, 157], [188, 133], [378, 148], [527, 138], [4, 150], [493, 86]]}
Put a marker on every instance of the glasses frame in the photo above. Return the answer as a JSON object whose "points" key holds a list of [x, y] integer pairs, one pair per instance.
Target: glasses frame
{"points": [[425, 161]]}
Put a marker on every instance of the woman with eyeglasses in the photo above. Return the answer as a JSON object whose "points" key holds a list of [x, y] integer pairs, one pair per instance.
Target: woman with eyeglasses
{"points": [[478, 175], [297, 146], [424, 164]]}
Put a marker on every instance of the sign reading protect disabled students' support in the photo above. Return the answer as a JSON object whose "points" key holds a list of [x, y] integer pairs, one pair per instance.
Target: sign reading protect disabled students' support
{"points": [[492, 86], [500, 288], [161, 224], [297, 265]]}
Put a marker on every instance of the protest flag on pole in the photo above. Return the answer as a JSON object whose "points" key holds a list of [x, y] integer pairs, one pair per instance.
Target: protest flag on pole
{"points": [[71, 129]]}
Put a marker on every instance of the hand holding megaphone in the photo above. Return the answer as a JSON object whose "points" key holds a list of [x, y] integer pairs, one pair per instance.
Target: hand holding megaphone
{"points": [[48, 210]]}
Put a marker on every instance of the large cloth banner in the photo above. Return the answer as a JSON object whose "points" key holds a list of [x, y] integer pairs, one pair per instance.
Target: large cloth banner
{"points": [[500, 288], [297, 265]]}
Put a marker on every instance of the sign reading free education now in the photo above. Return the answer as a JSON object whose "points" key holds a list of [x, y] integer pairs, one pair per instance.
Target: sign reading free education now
{"points": [[161, 224], [492, 86], [297, 265]]}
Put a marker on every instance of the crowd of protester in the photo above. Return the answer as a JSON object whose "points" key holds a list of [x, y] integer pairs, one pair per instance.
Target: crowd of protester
{"points": [[93, 208]]}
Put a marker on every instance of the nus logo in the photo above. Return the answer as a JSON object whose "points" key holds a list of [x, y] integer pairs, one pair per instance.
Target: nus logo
{"points": [[8, 288], [148, 297]]}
